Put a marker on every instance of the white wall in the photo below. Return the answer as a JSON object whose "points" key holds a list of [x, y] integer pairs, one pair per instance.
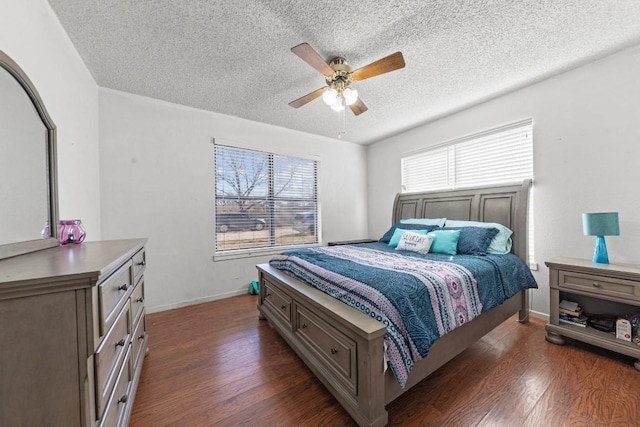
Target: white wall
{"points": [[32, 36], [157, 181], [586, 150]]}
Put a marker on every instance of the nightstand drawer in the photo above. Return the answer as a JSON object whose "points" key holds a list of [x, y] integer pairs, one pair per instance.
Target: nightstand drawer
{"points": [[599, 285]]}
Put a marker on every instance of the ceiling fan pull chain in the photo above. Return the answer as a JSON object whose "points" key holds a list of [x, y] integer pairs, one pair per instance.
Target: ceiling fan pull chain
{"points": [[342, 125]]}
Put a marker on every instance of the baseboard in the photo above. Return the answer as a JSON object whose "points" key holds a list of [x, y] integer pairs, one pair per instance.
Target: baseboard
{"points": [[539, 315], [180, 304]]}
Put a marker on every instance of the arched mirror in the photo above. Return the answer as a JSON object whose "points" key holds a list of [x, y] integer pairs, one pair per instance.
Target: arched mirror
{"points": [[28, 179]]}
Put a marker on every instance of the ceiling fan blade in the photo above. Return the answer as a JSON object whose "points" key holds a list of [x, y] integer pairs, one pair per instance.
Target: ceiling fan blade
{"points": [[311, 57], [358, 107], [307, 98], [395, 61]]}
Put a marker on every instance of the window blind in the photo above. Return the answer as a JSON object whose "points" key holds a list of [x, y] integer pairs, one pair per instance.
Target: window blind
{"points": [[497, 156], [264, 199]]}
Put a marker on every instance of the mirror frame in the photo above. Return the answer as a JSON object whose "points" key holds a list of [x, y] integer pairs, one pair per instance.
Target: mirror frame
{"points": [[19, 248]]}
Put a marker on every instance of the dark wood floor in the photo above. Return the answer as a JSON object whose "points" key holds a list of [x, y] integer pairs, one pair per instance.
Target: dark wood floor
{"points": [[217, 364]]}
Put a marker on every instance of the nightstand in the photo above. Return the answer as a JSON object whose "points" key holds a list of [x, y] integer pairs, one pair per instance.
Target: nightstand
{"points": [[351, 242], [599, 289]]}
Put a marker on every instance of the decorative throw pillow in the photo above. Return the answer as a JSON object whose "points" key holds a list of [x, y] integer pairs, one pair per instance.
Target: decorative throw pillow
{"points": [[474, 240], [415, 242], [444, 241], [393, 242], [387, 236], [425, 221], [501, 243]]}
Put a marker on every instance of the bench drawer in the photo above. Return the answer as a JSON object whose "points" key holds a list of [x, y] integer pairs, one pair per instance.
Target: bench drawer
{"points": [[278, 300], [328, 344]]}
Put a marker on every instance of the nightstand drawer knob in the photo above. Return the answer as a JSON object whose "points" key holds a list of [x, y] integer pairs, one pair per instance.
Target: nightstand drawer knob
{"points": [[596, 284]]}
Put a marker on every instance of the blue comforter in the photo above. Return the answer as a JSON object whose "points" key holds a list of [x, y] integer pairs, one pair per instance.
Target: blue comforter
{"points": [[418, 297]]}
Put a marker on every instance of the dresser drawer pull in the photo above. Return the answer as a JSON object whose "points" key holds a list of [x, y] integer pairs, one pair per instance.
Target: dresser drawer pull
{"points": [[123, 399], [120, 343], [123, 287], [141, 337], [596, 284], [282, 307], [140, 299], [334, 350], [304, 326], [141, 263]]}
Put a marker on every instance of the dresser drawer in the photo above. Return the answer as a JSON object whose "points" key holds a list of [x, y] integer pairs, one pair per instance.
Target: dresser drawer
{"points": [[278, 300], [599, 285], [139, 262], [328, 344], [109, 356], [137, 300], [116, 407], [112, 295], [138, 341]]}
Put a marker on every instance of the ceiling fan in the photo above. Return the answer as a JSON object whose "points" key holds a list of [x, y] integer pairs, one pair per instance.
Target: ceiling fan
{"points": [[339, 76]]}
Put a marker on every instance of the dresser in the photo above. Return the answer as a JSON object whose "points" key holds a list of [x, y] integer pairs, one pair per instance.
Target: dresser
{"points": [[600, 289], [72, 334]]}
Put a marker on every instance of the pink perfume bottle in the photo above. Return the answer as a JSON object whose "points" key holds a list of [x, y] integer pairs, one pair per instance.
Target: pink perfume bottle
{"points": [[71, 231]]}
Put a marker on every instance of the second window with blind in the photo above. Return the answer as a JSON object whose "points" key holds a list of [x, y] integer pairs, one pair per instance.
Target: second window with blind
{"points": [[264, 200], [502, 155]]}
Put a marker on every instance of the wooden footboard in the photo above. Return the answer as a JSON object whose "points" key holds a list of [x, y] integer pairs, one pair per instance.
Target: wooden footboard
{"points": [[345, 349]]}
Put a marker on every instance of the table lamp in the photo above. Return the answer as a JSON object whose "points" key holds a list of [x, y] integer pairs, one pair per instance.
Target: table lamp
{"points": [[600, 224]]}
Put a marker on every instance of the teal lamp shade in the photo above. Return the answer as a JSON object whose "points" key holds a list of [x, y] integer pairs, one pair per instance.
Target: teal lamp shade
{"points": [[600, 224]]}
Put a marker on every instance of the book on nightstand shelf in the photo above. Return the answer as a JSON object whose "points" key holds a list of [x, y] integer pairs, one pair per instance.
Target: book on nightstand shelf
{"points": [[572, 320], [570, 312], [570, 308]]}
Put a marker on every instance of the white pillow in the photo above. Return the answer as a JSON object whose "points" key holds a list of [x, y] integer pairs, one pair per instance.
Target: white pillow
{"points": [[425, 221], [501, 243], [415, 242]]}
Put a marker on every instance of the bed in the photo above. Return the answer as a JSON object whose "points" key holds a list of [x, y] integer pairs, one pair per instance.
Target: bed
{"points": [[345, 348]]}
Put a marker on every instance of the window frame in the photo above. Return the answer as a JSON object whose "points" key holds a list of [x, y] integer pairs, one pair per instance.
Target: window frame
{"points": [[270, 201]]}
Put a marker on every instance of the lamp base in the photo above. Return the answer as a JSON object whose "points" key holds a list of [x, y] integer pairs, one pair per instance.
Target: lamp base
{"points": [[600, 255]]}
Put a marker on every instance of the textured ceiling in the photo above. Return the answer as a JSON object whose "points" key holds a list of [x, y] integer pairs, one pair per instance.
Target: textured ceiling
{"points": [[233, 57]]}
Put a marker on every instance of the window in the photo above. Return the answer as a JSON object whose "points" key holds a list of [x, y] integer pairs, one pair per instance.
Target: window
{"points": [[498, 156], [264, 199]]}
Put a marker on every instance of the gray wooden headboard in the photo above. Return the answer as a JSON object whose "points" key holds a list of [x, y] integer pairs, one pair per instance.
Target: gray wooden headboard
{"points": [[504, 204]]}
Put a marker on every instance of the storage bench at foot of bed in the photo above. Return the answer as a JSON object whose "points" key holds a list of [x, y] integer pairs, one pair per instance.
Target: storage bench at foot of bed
{"points": [[342, 347]]}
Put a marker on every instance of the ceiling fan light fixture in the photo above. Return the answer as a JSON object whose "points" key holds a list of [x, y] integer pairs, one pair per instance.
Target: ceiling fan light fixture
{"points": [[350, 96], [338, 106], [330, 96]]}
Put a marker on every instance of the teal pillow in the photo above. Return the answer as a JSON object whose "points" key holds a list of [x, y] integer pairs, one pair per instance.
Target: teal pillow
{"points": [[444, 241], [397, 235]]}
